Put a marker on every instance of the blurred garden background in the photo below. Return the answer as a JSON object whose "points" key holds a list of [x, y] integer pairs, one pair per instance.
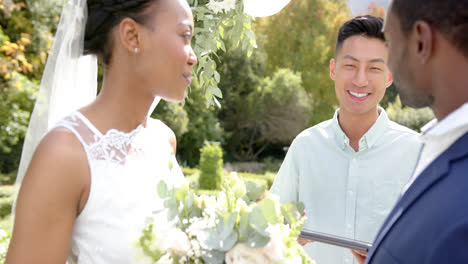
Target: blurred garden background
{"points": [[266, 95]]}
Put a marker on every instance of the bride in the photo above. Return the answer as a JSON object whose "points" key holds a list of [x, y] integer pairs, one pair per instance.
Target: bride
{"points": [[92, 180]]}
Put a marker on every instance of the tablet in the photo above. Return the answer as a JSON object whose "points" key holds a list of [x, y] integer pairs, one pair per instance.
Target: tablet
{"points": [[335, 240]]}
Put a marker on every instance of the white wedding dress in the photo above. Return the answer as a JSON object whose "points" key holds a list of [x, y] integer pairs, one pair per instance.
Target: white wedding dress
{"points": [[125, 169]]}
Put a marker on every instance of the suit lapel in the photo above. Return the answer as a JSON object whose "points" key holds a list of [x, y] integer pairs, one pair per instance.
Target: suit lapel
{"points": [[434, 172]]}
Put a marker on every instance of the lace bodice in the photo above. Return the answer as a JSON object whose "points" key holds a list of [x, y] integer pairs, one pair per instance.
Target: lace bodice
{"points": [[125, 169]]}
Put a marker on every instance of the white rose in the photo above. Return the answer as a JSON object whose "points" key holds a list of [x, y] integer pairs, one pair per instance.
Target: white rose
{"points": [[179, 243], [242, 254], [294, 260], [274, 249]]}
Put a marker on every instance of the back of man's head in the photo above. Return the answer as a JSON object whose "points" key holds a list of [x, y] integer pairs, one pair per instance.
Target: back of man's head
{"points": [[449, 17], [366, 26]]}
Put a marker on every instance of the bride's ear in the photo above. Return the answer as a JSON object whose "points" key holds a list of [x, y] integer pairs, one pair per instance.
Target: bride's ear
{"points": [[130, 35]]}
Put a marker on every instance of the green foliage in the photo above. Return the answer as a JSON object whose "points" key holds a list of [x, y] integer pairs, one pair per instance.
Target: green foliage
{"points": [[212, 30], [6, 200], [173, 115], [203, 126], [390, 96], [4, 242], [409, 117], [193, 178], [26, 30], [8, 178], [302, 38], [239, 214], [261, 179], [146, 243], [187, 171], [5, 206], [257, 108], [281, 102], [211, 167], [7, 191]]}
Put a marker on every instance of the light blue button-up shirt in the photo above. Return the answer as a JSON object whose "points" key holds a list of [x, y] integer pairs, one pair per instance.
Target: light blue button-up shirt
{"points": [[347, 193]]}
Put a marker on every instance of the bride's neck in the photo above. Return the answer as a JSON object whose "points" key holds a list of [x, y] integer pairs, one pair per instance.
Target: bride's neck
{"points": [[121, 104]]}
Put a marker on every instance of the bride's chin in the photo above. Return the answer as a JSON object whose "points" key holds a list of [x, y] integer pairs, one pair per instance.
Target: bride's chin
{"points": [[174, 98]]}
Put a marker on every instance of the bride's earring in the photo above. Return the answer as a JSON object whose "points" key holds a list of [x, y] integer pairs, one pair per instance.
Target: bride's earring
{"points": [[136, 50]]}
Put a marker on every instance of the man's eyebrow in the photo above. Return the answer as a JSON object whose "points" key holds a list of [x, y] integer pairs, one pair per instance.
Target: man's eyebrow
{"points": [[350, 57], [377, 60], [371, 61]]}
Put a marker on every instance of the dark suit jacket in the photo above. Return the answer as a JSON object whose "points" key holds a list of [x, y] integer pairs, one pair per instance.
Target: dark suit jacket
{"points": [[429, 223]]}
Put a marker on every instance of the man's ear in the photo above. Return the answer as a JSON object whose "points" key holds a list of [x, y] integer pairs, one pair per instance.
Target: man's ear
{"points": [[422, 38], [389, 80], [332, 68], [130, 35]]}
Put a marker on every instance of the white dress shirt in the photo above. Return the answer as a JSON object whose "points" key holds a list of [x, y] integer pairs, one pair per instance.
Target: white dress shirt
{"points": [[346, 193], [437, 137]]}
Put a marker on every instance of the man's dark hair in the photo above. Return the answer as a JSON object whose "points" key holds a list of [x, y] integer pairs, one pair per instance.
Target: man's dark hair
{"points": [[366, 26], [449, 17]]}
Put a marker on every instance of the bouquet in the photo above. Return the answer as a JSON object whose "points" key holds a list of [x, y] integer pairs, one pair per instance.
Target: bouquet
{"points": [[241, 224]]}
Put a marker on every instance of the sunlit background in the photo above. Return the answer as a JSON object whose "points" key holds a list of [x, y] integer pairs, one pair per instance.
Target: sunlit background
{"points": [[360, 6]]}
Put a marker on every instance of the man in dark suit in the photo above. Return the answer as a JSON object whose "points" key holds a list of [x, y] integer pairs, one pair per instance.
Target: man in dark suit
{"points": [[428, 55]]}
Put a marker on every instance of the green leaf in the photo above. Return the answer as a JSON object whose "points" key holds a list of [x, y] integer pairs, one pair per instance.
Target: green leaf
{"points": [[269, 211], [222, 237], [162, 189], [254, 192], [226, 225], [256, 240], [258, 222], [250, 34], [290, 213], [213, 256], [243, 228], [217, 77], [216, 91]]}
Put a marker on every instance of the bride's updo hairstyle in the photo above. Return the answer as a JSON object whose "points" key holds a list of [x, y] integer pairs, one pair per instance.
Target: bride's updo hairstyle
{"points": [[103, 16]]}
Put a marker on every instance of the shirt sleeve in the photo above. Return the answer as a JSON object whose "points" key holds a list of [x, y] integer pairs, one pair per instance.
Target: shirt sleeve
{"points": [[285, 184]]}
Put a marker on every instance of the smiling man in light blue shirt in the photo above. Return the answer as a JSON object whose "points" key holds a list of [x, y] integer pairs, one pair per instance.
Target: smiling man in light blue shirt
{"points": [[350, 170]]}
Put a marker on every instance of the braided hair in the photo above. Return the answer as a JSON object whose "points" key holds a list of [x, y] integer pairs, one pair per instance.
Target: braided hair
{"points": [[103, 15]]}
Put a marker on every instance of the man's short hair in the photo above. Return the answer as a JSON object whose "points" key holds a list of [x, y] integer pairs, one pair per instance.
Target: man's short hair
{"points": [[449, 17], [366, 26]]}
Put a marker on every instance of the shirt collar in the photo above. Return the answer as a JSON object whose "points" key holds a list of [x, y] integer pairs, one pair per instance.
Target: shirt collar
{"points": [[370, 137], [454, 121]]}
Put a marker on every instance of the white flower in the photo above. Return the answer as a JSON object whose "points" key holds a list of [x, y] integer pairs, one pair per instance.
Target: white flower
{"points": [[215, 6], [274, 249], [295, 259], [165, 259], [229, 5], [241, 206], [242, 254], [179, 243]]}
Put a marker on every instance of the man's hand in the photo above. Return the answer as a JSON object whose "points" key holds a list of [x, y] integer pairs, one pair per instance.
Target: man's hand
{"points": [[360, 256], [303, 241]]}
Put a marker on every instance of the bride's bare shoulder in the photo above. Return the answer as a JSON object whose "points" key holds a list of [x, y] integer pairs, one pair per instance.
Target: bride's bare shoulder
{"points": [[59, 157], [62, 142]]}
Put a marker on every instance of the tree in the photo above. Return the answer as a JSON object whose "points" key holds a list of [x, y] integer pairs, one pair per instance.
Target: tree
{"points": [[259, 111], [376, 10], [409, 117], [25, 36], [302, 38]]}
